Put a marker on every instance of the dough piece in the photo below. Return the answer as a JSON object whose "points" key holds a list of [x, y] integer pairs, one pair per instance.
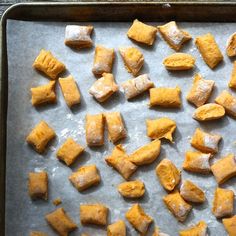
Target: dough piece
{"points": [[158, 233], [132, 189], [168, 174], [210, 111], [138, 218], [146, 154], [165, 97], [200, 229], [191, 192], [232, 82], [85, 177], [133, 59], [177, 205], [136, 86], [173, 35], [179, 61], [94, 130], [197, 162], [60, 222], [94, 214], [38, 185], [115, 126], [231, 45], [230, 225], [209, 50], [103, 60], [117, 229], [224, 169], [37, 233], [223, 203], [83, 234], [69, 151], [142, 33], [40, 136], [205, 142], [104, 87], [119, 160], [70, 90], [48, 64], [78, 36], [160, 128], [57, 201], [43, 94]]}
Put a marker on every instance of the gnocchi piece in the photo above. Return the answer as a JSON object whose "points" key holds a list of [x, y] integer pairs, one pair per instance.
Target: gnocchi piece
{"points": [[103, 60], [83, 234], [93, 214], [119, 161], [48, 64], [61, 222], [38, 185], [224, 169], [43, 94], [231, 45], [132, 189], [133, 59], [209, 50], [158, 233], [223, 203], [57, 201], [230, 225], [146, 154], [232, 82], [142, 33], [191, 192], [40, 136], [85, 177], [168, 174], [138, 218], [37, 233], [136, 86], [70, 90], [179, 61], [78, 36], [210, 111], [117, 229], [115, 126], [69, 151], [173, 35], [160, 128], [200, 229], [165, 97], [94, 130], [205, 142], [177, 205], [104, 87]]}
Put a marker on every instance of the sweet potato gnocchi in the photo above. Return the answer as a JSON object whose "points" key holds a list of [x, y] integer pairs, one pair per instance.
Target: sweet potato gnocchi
{"points": [[117, 229], [200, 229], [157, 232], [132, 189], [232, 82], [230, 225], [231, 45], [37, 233]]}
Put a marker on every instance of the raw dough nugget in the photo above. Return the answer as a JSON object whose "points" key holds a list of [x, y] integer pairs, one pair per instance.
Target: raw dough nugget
{"points": [[85, 177], [115, 126], [133, 59], [223, 203], [104, 87], [168, 174], [117, 229], [232, 82], [69, 151], [200, 229], [165, 97], [160, 128], [78, 36], [138, 218], [93, 214], [43, 94], [231, 45], [103, 60], [132, 189], [48, 64], [95, 130], [230, 225], [224, 169], [61, 222], [205, 142], [209, 50], [70, 90], [142, 33], [200, 91], [177, 206], [37, 233], [173, 35], [136, 86], [40, 136], [38, 185]]}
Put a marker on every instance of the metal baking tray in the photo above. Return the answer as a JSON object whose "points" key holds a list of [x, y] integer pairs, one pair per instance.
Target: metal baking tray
{"points": [[25, 29]]}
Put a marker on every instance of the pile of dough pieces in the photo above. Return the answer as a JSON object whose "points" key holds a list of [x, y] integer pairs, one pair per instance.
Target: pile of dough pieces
{"points": [[178, 199]]}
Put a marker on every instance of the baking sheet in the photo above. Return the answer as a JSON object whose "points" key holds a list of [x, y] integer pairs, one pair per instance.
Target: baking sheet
{"points": [[24, 41]]}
